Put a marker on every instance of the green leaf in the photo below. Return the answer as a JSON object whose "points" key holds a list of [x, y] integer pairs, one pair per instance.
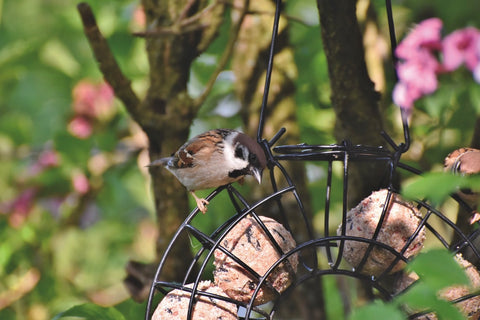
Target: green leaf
{"points": [[91, 311], [107, 139], [378, 311], [54, 53], [421, 297], [436, 186], [438, 269], [73, 150], [18, 127], [475, 97], [447, 311], [13, 51]]}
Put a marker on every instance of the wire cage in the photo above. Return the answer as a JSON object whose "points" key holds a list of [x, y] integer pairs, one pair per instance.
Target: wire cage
{"points": [[311, 255]]}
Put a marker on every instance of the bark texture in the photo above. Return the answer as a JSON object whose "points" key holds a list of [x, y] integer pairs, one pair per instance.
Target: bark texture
{"points": [[249, 63], [354, 99], [177, 32]]}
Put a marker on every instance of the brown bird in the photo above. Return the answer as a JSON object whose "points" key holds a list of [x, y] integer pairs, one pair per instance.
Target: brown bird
{"points": [[215, 158], [465, 161]]}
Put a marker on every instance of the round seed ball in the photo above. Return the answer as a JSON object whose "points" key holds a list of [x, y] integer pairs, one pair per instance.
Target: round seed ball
{"points": [[470, 307], [174, 306], [249, 242], [401, 221]]}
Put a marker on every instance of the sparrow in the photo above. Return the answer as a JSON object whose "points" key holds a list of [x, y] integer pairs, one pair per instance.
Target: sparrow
{"points": [[215, 158], [465, 161]]}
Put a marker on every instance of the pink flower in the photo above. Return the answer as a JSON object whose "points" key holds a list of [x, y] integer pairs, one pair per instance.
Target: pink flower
{"points": [[92, 100], [19, 208], [417, 73], [80, 183], [417, 77], [460, 47], [80, 127], [420, 73], [84, 94], [104, 101], [139, 18], [425, 36], [404, 97], [48, 158]]}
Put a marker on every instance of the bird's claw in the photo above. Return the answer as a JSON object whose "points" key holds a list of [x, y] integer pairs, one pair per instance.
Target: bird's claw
{"points": [[475, 217], [202, 205]]}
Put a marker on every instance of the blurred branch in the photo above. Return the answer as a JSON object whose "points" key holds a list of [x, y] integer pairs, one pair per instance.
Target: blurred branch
{"points": [[182, 25], [107, 63], [227, 53], [173, 30], [269, 13]]}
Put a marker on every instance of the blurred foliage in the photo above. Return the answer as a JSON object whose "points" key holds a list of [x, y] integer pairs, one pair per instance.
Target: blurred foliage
{"points": [[91, 311], [420, 187], [437, 270], [75, 203]]}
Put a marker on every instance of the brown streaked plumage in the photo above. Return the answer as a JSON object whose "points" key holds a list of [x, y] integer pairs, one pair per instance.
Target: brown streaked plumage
{"points": [[465, 161], [215, 158]]}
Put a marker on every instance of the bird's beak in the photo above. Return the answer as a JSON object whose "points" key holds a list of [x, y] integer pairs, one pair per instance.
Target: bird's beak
{"points": [[257, 173], [155, 163]]}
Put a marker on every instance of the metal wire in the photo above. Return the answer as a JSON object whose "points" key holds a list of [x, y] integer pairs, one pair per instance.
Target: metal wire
{"points": [[271, 55], [308, 249]]}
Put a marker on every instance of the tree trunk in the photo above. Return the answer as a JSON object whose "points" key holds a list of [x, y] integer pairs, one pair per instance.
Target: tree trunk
{"points": [[249, 65], [168, 112], [354, 98]]}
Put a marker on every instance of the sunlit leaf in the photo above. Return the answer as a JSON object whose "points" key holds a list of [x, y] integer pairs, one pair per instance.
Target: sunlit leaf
{"points": [[90, 311], [72, 149], [475, 97], [55, 54], [14, 51], [438, 269], [378, 311], [422, 297], [18, 127], [437, 186]]}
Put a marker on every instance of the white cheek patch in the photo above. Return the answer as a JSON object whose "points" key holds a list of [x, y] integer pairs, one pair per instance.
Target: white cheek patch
{"points": [[232, 162]]}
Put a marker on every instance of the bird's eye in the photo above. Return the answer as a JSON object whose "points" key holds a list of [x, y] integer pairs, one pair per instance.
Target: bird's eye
{"points": [[239, 152], [252, 158]]}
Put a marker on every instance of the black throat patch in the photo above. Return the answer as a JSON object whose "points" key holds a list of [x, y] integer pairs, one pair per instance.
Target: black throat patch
{"points": [[238, 173]]}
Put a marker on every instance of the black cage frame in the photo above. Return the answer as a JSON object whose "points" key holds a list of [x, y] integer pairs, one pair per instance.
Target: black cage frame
{"points": [[308, 249]]}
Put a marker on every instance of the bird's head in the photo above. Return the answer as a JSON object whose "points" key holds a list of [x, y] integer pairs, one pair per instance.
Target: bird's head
{"points": [[248, 157]]}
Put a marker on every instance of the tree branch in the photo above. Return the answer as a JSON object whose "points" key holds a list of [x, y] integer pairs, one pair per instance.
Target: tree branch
{"points": [[182, 25], [353, 97], [107, 64], [269, 13], [227, 53]]}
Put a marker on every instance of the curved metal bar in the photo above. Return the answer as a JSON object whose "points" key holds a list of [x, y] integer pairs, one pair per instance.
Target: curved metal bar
{"points": [[322, 242], [386, 205], [169, 248], [271, 54], [344, 152]]}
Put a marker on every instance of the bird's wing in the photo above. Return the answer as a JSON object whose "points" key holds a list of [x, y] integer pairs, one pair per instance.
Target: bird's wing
{"points": [[199, 149], [470, 162]]}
